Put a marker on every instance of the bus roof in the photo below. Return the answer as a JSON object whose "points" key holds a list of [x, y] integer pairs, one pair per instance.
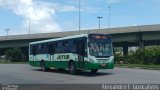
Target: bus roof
{"points": [[57, 39]]}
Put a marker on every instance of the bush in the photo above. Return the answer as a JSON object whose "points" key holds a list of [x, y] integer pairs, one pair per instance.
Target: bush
{"points": [[151, 55], [14, 54], [118, 58]]}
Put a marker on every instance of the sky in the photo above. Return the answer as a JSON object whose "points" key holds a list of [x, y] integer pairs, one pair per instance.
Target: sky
{"points": [[44, 16]]}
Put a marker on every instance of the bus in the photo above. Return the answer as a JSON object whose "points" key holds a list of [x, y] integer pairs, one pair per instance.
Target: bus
{"points": [[78, 52]]}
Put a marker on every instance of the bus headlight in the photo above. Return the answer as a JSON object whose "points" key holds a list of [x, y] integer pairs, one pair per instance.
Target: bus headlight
{"points": [[111, 59], [91, 60]]}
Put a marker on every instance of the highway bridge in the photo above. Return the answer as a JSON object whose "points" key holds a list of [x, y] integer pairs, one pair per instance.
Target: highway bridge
{"points": [[141, 36]]}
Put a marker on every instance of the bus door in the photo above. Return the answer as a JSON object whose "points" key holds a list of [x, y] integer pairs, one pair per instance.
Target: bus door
{"points": [[81, 52]]}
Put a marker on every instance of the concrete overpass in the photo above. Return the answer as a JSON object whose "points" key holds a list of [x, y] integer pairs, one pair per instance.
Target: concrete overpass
{"points": [[122, 37]]}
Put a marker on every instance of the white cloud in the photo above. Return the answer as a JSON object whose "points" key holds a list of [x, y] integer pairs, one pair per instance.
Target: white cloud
{"points": [[41, 14], [63, 8]]}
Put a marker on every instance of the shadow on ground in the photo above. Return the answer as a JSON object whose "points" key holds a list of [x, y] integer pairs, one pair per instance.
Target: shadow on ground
{"points": [[79, 73]]}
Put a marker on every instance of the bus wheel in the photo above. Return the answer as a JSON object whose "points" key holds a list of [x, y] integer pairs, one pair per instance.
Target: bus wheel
{"points": [[43, 66], [94, 70], [72, 68]]}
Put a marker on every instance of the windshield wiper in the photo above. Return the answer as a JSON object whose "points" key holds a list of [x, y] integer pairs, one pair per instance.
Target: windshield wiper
{"points": [[102, 56], [95, 48]]}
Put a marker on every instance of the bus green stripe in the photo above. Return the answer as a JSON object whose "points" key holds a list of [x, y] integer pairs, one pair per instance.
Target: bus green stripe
{"points": [[64, 64]]}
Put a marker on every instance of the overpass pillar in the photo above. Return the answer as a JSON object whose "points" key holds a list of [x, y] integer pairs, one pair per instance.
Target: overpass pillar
{"points": [[125, 50], [141, 42], [141, 45]]}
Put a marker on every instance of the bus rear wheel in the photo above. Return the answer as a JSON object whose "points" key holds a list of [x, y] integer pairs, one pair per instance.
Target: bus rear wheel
{"points": [[72, 68], [43, 66], [94, 70]]}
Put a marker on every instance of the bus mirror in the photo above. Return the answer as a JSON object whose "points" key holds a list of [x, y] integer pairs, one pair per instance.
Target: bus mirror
{"points": [[89, 44]]}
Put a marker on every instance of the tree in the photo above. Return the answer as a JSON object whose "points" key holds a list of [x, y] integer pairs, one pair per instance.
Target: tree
{"points": [[14, 54], [151, 55]]}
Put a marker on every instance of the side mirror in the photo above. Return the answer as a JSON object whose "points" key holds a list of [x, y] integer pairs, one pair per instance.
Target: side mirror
{"points": [[89, 44]]}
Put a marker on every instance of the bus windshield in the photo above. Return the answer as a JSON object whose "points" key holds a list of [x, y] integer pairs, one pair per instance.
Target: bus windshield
{"points": [[100, 47]]}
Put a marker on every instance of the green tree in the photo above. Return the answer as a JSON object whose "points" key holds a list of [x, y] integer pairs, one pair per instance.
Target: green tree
{"points": [[151, 55], [14, 54]]}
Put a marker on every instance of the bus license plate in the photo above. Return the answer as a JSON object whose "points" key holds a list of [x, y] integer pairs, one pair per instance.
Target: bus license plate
{"points": [[103, 65]]}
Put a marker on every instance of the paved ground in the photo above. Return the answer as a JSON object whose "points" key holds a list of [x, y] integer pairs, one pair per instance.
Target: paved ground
{"points": [[25, 74]]}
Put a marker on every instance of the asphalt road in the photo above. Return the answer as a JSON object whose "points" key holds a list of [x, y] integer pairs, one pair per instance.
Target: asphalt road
{"points": [[25, 74], [53, 79]]}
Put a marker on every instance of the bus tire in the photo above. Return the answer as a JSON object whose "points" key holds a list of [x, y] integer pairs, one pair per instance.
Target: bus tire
{"points": [[43, 66], [72, 68], [94, 71]]}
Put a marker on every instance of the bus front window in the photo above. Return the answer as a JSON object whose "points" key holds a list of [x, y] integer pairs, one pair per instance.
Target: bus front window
{"points": [[100, 48]]}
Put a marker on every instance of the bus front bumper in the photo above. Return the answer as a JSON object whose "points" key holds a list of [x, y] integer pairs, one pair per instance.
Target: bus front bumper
{"points": [[90, 65]]}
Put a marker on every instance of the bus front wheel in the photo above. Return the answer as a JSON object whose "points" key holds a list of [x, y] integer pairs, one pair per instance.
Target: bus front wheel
{"points": [[94, 70], [72, 68]]}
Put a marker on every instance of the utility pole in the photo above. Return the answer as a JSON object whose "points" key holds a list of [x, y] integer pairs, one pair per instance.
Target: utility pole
{"points": [[7, 30], [79, 15]]}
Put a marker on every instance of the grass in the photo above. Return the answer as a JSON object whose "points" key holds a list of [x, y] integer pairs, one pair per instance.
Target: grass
{"points": [[140, 66], [8, 62]]}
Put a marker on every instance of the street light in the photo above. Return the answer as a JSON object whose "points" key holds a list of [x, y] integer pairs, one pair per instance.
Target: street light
{"points": [[109, 8], [79, 15], [7, 30], [29, 25], [99, 21], [109, 14]]}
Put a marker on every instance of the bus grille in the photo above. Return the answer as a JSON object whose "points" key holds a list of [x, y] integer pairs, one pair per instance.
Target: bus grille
{"points": [[102, 59]]}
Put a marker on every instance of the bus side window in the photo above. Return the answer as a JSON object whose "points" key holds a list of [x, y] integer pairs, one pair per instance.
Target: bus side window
{"points": [[34, 50], [59, 47], [65, 43], [55, 47], [46, 48], [38, 48], [66, 46], [74, 46], [80, 46], [51, 48], [76, 43]]}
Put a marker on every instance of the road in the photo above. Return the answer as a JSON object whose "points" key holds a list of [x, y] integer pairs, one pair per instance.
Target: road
{"points": [[25, 74]]}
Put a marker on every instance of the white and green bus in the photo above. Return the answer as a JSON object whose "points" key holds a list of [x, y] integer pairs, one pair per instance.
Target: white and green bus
{"points": [[79, 52]]}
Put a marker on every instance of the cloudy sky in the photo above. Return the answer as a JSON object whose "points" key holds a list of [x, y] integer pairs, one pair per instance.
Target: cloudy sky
{"points": [[62, 15]]}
